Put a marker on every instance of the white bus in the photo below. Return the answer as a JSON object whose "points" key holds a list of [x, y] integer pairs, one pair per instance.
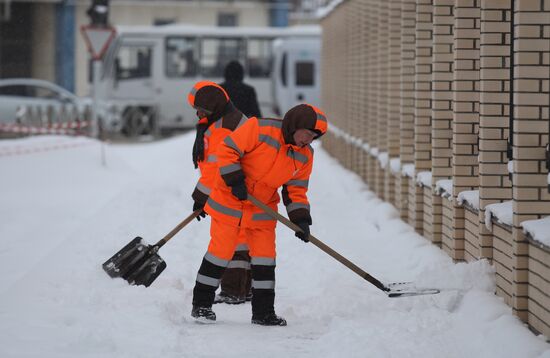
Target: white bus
{"points": [[148, 71]]}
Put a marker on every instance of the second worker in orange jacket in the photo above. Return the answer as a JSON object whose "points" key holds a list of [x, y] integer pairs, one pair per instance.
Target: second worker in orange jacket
{"points": [[258, 158]]}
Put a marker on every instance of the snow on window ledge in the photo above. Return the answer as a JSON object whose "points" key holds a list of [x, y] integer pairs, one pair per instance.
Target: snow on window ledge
{"points": [[395, 165], [469, 198], [407, 170], [444, 188], [502, 212], [424, 179], [510, 166], [383, 158], [325, 10], [538, 230]]}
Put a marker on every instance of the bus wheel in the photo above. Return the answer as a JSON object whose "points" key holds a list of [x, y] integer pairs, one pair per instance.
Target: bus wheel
{"points": [[135, 122]]}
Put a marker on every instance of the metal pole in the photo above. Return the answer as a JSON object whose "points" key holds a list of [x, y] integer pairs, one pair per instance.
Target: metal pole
{"points": [[96, 130]]}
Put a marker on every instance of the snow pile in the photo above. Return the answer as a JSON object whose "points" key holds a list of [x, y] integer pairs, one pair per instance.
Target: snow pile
{"points": [[424, 179], [470, 197], [510, 166], [395, 165], [383, 158], [407, 170], [538, 229], [373, 151], [63, 214], [348, 138], [444, 188], [502, 212]]}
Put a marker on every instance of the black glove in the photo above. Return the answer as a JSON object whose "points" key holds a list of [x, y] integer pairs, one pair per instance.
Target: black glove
{"points": [[197, 206], [239, 191], [304, 234]]}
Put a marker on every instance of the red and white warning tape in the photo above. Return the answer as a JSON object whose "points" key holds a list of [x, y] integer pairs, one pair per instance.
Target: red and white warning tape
{"points": [[7, 151], [56, 128]]}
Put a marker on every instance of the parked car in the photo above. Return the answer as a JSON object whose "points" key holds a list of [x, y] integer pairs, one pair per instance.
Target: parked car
{"points": [[38, 102]]}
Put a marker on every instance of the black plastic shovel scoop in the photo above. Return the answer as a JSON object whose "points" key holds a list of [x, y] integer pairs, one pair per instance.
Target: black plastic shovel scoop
{"points": [[139, 263]]}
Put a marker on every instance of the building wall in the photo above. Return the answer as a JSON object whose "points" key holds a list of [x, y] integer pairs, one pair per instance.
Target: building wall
{"points": [[464, 77], [43, 42]]}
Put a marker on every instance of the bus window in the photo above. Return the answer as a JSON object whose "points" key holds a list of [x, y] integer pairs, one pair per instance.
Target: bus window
{"points": [[259, 58], [181, 57], [133, 62], [218, 52], [305, 73]]}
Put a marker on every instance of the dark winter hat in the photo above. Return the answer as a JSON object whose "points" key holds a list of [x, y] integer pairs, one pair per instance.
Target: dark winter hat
{"points": [[208, 96], [303, 116], [234, 71]]}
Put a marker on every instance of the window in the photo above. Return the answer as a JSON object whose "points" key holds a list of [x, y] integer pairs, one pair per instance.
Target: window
{"points": [[133, 62], [305, 72], [218, 52], [259, 58], [227, 19], [181, 57]]}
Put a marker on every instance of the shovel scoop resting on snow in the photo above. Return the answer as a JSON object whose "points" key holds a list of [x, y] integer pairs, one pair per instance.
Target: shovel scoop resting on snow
{"points": [[139, 263]]}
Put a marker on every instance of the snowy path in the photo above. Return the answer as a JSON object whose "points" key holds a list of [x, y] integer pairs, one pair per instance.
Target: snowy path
{"points": [[63, 214]]}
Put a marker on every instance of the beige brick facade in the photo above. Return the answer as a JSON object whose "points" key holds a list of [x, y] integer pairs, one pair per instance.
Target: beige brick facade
{"points": [[436, 84]]}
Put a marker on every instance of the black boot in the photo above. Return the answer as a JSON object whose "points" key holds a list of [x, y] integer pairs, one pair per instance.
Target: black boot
{"points": [[203, 314], [270, 319]]}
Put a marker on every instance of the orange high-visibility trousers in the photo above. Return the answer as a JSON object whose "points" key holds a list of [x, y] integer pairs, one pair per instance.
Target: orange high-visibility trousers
{"points": [[224, 238]]}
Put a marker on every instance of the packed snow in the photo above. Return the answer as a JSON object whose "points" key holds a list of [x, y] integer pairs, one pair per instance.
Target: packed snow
{"points": [[424, 179], [395, 165], [444, 188], [407, 170], [383, 158], [64, 213], [502, 212], [538, 229], [469, 197]]}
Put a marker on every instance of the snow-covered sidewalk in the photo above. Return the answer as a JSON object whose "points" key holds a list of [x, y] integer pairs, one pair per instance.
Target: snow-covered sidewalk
{"points": [[62, 214]]}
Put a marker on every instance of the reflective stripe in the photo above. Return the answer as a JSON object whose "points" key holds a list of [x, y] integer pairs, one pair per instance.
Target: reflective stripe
{"points": [[261, 217], [212, 158], [193, 91], [239, 264], [298, 156], [263, 261], [208, 132], [293, 206], [231, 144], [242, 247], [230, 168], [203, 188], [301, 183], [242, 121], [224, 209], [270, 123], [320, 117], [210, 281], [264, 285], [215, 260], [270, 141], [218, 124]]}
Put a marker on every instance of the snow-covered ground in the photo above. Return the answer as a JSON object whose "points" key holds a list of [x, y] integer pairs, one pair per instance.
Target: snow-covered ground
{"points": [[62, 214]]}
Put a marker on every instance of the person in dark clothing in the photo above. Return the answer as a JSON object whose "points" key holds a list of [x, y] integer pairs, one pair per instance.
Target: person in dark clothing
{"points": [[242, 95]]}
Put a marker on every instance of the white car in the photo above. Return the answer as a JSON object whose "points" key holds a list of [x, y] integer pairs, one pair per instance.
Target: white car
{"points": [[38, 102]]}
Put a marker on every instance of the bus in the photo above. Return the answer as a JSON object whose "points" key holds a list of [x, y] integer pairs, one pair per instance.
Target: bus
{"points": [[149, 70]]}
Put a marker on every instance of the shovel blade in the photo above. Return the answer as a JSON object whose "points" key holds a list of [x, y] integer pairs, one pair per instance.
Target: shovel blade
{"points": [[136, 262]]}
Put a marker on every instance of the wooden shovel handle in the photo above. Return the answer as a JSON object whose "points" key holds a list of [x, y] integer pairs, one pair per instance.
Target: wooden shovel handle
{"points": [[180, 226], [274, 214]]}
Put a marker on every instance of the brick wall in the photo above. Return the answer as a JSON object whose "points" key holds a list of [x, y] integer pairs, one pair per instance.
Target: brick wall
{"points": [[471, 234]]}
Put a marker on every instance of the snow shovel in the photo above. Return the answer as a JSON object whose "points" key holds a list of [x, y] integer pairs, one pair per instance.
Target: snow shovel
{"points": [[400, 289], [139, 263]]}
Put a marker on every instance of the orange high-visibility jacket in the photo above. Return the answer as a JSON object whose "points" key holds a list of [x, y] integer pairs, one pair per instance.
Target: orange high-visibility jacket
{"points": [[213, 136], [258, 151]]}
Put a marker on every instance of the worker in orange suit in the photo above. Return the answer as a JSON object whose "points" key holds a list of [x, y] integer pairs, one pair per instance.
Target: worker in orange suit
{"points": [[258, 158], [217, 119]]}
